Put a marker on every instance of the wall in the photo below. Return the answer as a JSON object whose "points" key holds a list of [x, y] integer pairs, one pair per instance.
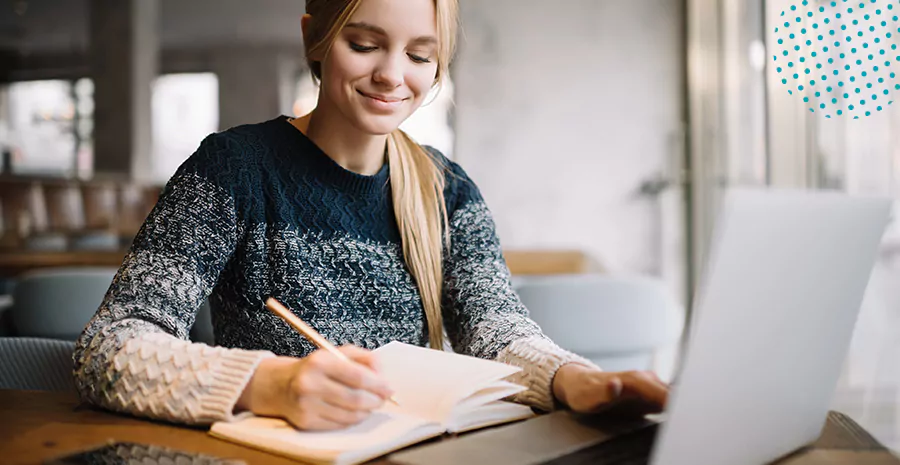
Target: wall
{"points": [[563, 110]]}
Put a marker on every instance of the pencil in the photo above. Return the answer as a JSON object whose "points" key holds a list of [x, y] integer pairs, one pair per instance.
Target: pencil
{"points": [[308, 332]]}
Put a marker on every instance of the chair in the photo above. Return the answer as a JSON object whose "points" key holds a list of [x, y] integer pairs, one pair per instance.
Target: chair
{"points": [[618, 322], [6, 328], [202, 331], [58, 303], [36, 364]]}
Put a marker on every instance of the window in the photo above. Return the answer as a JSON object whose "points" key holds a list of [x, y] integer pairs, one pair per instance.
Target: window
{"points": [[185, 111], [38, 126], [47, 126]]}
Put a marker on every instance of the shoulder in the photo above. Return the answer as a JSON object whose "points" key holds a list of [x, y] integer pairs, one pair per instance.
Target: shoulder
{"points": [[459, 189], [240, 145], [231, 157]]}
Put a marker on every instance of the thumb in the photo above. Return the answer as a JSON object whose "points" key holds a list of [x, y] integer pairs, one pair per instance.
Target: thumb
{"points": [[614, 388], [362, 356]]}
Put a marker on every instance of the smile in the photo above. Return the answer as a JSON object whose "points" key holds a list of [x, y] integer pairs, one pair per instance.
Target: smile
{"points": [[381, 103]]}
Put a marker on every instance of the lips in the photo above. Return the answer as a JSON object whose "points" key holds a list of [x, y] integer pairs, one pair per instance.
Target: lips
{"points": [[383, 98]]}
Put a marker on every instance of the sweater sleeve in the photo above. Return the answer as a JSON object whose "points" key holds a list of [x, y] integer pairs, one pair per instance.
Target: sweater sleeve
{"points": [[134, 355], [483, 315]]}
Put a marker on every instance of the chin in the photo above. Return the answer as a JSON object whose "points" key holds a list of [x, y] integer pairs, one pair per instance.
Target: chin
{"points": [[378, 125]]}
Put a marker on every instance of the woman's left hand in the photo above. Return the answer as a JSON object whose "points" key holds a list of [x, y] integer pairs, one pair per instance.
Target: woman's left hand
{"points": [[628, 393]]}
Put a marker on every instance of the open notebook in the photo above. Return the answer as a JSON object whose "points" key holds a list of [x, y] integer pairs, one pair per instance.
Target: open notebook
{"points": [[437, 391]]}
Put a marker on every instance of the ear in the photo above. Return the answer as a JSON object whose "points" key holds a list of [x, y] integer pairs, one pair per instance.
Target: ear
{"points": [[305, 26]]}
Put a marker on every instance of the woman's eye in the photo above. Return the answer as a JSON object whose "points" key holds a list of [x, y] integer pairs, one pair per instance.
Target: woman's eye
{"points": [[418, 59], [360, 48]]}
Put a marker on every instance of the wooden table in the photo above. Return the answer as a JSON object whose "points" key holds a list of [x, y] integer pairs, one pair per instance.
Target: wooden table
{"points": [[36, 426], [15, 263], [521, 262]]}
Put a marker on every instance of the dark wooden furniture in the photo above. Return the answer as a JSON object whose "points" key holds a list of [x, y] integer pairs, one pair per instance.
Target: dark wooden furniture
{"points": [[36, 426]]}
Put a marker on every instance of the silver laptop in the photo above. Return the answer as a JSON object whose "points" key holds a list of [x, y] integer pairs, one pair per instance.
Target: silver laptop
{"points": [[773, 319]]}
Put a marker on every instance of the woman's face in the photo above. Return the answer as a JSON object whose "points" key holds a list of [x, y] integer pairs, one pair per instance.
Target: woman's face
{"points": [[382, 64]]}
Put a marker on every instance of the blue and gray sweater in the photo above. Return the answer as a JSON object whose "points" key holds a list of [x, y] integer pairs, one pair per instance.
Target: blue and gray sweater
{"points": [[258, 211]]}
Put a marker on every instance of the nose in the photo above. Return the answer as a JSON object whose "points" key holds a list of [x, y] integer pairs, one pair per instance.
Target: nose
{"points": [[389, 71]]}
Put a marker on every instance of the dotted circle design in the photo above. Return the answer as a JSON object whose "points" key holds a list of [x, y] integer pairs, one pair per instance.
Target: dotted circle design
{"points": [[842, 56]]}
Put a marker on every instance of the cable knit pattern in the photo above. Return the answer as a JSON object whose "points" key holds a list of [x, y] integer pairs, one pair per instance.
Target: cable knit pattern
{"points": [[483, 314], [155, 369], [260, 211], [539, 358]]}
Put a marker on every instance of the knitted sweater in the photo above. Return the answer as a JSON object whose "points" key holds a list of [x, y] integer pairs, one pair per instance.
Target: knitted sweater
{"points": [[258, 211]]}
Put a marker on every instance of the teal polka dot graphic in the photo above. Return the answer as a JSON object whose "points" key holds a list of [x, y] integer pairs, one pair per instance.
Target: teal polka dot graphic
{"points": [[865, 53]]}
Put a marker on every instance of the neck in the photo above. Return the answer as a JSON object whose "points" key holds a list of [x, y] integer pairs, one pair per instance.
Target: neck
{"points": [[349, 147]]}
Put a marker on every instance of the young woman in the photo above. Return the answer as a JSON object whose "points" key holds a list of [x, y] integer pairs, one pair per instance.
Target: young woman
{"points": [[342, 217]]}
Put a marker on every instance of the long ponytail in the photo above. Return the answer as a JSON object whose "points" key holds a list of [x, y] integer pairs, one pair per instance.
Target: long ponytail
{"points": [[417, 183], [417, 178]]}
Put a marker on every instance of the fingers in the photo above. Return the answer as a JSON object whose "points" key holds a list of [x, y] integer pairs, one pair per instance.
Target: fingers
{"points": [[343, 418], [362, 356], [614, 388], [327, 392], [628, 393], [358, 374], [647, 386], [313, 420], [341, 396]]}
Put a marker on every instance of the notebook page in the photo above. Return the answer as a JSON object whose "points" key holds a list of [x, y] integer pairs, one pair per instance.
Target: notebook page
{"points": [[495, 391], [493, 413], [373, 435], [429, 383]]}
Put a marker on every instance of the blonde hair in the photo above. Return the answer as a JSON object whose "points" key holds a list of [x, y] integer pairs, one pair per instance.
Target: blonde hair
{"points": [[417, 178]]}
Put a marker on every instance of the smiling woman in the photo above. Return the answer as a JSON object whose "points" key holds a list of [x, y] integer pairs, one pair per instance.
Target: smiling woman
{"points": [[366, 235], [430, 125]]}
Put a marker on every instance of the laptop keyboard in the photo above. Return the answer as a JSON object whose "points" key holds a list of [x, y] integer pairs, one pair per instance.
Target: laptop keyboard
{"points": [[628, 449]]}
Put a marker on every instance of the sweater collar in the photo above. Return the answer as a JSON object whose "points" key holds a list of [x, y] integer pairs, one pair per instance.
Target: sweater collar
{"points": [[327, 170]]}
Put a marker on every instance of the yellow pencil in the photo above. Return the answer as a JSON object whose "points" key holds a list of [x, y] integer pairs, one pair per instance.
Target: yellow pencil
{"points": [[307, 331]]}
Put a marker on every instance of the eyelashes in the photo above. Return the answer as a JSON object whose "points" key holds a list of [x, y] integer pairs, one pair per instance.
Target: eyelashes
{"points": [[365, 49], [418, 59], [360, 48]]}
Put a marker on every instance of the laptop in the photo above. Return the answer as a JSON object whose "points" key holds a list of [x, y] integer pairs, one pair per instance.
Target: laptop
{"points": [[773, 319]]}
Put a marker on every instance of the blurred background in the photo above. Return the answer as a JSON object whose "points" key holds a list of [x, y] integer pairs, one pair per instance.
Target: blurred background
{"points": [[601, 133]]}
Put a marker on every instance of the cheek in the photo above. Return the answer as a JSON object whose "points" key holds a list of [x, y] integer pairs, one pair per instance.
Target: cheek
{"points": [[342, 67], [420, 81]]}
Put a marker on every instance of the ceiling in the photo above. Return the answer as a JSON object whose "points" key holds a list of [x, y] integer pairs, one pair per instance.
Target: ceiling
{"points": [[34, 26]]}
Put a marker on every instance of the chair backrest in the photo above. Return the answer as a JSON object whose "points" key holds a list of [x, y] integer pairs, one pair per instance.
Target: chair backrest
{"points": [[36, 364], [615, 321], [58, 303], [202, 331]]}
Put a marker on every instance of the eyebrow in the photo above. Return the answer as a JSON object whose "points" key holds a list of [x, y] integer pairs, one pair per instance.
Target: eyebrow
{"points": [[380, 31]]}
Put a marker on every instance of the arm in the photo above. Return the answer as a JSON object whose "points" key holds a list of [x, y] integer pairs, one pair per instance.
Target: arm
{"points": [[134, 355], [483, 315]]}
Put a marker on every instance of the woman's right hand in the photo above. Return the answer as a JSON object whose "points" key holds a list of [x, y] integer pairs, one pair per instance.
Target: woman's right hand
{"points": [[317, 392]]}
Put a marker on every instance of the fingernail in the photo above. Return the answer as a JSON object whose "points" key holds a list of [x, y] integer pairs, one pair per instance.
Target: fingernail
{"points": [[374, 400], [615, 387]]}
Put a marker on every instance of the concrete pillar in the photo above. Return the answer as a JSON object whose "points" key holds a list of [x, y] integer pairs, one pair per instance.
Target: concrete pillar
{"points": [[255, 83], [124, 57]]}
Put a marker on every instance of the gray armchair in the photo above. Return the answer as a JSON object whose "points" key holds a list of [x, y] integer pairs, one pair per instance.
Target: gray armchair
{"points": [[618, 322], [58, 303], [36, 364]]}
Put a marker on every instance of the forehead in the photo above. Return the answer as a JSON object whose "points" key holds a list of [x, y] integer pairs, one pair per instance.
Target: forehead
{"points": [[400, 19]]}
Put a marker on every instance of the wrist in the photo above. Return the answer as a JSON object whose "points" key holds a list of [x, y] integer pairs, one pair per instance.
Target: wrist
{"points": [[261, 391], [564, 379]]}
